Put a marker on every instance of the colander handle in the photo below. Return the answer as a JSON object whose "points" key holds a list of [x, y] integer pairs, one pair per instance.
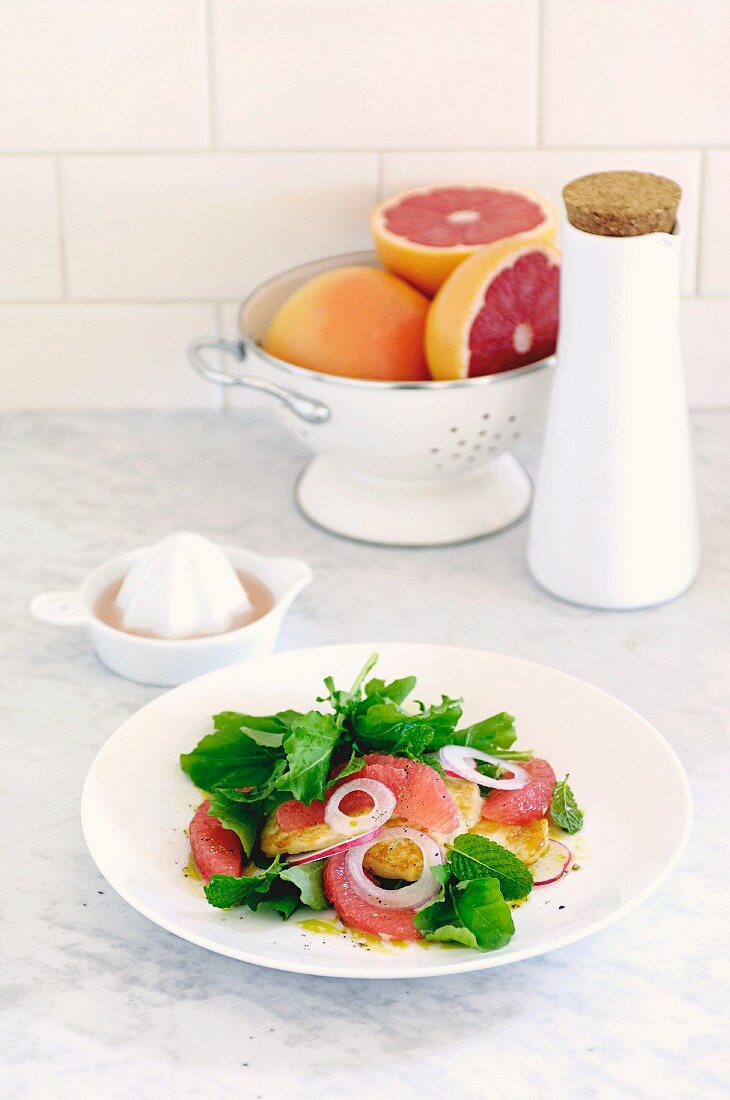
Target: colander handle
{"points": [[314, 412]]}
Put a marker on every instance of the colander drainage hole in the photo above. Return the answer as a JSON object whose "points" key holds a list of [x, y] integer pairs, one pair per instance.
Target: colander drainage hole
{"points": [[491, 449], [515, 435], [485, 416], [434, 450], [453, 429], [483, 431], [497, 436], [512, 418]]}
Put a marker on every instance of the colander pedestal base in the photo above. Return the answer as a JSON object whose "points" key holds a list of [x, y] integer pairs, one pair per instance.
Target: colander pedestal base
{"points": [[412, 512]]}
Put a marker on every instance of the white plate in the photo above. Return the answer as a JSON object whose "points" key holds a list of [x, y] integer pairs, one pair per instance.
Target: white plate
{"points": [[136, 804]]}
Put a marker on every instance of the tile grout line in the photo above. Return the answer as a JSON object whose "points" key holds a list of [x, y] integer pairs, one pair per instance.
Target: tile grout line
{"points": [[379, 178], [62, 253], [207, 29], [243, 151], [221, 396]]}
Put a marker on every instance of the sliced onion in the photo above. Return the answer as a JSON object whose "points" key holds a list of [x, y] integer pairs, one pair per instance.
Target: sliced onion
{"points": [[336, 849], [553, 865], [348, 825], [458, 760], [413, 896]]}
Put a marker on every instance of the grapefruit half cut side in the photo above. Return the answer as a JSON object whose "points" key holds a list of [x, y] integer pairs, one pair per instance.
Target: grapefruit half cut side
{"points": [[423, 234], [497, 311]]}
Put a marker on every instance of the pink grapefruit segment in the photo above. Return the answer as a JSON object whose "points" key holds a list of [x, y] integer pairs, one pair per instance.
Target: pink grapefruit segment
{"points": [[529, 803], [294, 815], [496, 312], [216, 851], [360, 914], [424, 234]]}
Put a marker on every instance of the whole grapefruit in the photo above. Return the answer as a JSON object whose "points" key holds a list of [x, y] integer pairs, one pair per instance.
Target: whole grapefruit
{"points": [[359, 322]]}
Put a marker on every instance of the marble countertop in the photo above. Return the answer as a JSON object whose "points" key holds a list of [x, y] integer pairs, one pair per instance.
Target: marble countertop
{"points": [[99, 1002]]}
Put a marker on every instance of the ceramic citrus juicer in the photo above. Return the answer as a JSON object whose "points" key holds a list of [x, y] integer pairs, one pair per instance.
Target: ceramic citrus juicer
{"points": [[180, 608]]}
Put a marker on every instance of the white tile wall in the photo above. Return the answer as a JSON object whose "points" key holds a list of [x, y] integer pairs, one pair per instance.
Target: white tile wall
{"points": [[103, 74], [101, 356], [715, 248], [30, 243], [636, 72], [375, 73], [158, 158], [184, 227]]}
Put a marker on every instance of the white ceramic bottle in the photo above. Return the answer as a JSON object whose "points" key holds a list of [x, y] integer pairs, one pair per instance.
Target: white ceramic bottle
{"points": [[614, 520]]}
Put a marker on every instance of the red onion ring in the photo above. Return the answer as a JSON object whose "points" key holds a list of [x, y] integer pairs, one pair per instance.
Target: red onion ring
{"points": [[454, 759], [336, 849], [384, 805], [413, 896], [552, 865]]}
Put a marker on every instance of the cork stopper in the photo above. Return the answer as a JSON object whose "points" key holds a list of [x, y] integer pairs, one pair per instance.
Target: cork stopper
{"points": [[622, 204]]}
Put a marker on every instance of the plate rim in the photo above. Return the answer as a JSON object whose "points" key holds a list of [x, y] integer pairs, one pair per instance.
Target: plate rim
{"points": [[485, 961]]}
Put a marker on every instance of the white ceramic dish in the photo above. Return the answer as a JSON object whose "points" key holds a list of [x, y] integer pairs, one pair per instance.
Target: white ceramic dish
{"points": [[398, 463], [166, 662], [634, 834]]}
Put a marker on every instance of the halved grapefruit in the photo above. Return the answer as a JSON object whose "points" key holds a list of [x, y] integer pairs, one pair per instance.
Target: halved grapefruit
{"points": [[497, 311], [423, 234]]}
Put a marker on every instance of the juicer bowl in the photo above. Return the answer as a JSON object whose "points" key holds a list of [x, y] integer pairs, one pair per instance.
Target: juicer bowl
{"points": [[397, 463]]}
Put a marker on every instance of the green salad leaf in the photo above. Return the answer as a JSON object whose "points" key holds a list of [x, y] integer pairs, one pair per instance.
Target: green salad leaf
{"points": [[477, 881], [475, 857], [309, 745], [230, 757], [307, 877], [278, 886], [243, 819], [225, 891], [564, 808]]}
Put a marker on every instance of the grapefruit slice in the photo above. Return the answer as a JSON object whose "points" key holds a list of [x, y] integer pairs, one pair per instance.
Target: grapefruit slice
{"points": [[527, 804], [294, 814], [497, 311], [216, 851], [360, 914], [422, 235]]}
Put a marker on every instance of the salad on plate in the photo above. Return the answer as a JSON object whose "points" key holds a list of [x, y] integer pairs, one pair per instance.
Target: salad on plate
{"points": [[411, 825]]}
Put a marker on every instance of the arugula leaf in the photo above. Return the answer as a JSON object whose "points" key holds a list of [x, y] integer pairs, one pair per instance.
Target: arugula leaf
{"points": [[228, 758], [259, 793], [307, 877], [225, 891], [342, 702], [243, 820], [564, 808], [476, 857], [394, 692], [308, 747], [481, 909], [386, 726], [489, 735], [353, 765]]}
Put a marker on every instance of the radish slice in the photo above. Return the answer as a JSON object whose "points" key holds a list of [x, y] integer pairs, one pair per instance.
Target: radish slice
{"points": [[458, 760], [414, 896], [383, 807], [553, 865], [336, 849]]}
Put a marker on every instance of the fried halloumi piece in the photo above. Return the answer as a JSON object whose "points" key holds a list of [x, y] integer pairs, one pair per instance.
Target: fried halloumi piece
{"points": [[528, 842], [274, 840], [468, 799]]}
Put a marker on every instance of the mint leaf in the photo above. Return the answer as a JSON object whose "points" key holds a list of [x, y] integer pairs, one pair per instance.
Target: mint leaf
{"points": [[307, 877], [308, 746], [476, 857], [242, 819], [564, 809], [481, 909]]}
